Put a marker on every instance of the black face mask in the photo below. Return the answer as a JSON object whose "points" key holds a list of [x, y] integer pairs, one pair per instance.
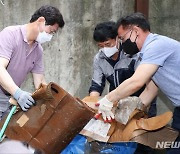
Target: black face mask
{"points": [[130, 47]]}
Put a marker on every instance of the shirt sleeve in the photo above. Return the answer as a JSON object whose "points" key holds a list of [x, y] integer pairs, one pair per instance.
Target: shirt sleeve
{"points": [[7, 43], [98, 80], [156, 53], [38, 65]]}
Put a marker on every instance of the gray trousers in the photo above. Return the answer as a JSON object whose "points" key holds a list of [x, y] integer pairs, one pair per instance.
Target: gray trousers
{"points": [[8, 146], [4, 105]]}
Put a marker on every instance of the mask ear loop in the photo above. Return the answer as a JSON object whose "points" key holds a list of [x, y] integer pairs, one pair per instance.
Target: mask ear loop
{"points": [[117, 43], [120, 45], [41, 27], [136, 38], [131, 33]]}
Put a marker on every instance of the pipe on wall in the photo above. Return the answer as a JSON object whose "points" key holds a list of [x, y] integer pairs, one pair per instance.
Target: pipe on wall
{"points": [[142, 6]]}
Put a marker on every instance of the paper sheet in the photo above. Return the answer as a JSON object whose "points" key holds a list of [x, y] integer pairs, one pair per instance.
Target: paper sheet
{"points": [[98, 127]]}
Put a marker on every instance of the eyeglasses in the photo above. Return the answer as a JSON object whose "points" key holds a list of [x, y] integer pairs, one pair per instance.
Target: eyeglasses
{"points": [[52, 32], [120, 39]]}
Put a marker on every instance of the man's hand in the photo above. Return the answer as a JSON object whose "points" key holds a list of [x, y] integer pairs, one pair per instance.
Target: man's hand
{"points": [[105, 107], [126, 107], [24, 99]]}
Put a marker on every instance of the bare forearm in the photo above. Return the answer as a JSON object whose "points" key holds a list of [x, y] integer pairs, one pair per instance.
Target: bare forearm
{"points": [[7, 82], [94, 93], [141, 76], [38, 79], [149, 93], [125, 89]]}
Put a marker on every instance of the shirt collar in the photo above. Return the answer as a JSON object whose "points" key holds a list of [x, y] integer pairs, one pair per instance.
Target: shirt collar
{"points": [[151, 37], [24, 32]]}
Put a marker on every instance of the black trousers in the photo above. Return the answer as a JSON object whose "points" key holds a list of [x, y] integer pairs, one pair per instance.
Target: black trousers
{"points": [[175, 125], [142, 149]]}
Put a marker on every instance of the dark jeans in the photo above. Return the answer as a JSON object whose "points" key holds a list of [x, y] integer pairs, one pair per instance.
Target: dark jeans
{"points": [[175, 125], [152, 110]]}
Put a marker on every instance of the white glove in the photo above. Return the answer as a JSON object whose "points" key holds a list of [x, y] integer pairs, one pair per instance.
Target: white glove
{"points": [[105, 107]]}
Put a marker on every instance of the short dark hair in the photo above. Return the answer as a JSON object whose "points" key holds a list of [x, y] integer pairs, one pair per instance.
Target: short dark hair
{"points": [[51, 14], [104, 31], [137, 19]]}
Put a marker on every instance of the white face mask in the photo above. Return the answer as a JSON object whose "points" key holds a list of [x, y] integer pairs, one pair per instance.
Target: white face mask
{"points": [[43, 37], [109, 51]]}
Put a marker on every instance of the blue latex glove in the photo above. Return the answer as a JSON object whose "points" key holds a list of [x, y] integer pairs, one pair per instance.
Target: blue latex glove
{"points": [[24, 99]]}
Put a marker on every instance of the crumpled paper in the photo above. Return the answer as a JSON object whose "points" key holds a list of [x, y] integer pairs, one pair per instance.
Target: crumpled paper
{"points": [[125, 108]]}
